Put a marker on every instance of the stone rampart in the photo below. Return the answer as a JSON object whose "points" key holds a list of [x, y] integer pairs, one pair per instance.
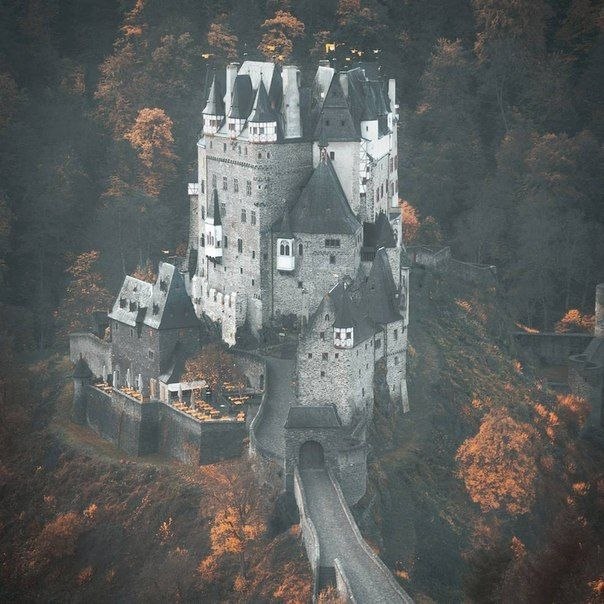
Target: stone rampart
{"points": [[192, 441], [309, 533], [126, 422], [253, 366], [551, 348], [95, 351]]}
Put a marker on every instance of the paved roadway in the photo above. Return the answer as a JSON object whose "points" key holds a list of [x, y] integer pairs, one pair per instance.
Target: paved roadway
{"points": [[280, 396], [338, 540]]}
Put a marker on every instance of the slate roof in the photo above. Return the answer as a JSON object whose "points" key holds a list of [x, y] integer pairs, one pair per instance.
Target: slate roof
{"points": [[174, 366], [379, 233], [342, 302], [322, 206], [323, 416], [335, 122], [243, 97], [261, 112], [215, 102], [163, 305], [379, 292], [132, 302], [170, 306]]}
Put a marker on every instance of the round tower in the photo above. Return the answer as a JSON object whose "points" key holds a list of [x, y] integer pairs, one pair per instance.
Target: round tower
{"points": [[82, 377], [599, 323]]}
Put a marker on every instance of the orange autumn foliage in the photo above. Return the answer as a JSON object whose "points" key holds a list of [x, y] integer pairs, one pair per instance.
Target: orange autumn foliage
{"points": [[279, 33], [151, 137], [216, 366], [410, 222], [499, 464], [575, 321]]}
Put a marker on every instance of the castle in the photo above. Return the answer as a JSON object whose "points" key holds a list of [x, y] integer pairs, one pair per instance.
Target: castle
{"points": [[294, 221]]}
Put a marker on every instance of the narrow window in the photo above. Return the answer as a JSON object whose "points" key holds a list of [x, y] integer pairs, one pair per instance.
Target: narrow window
{"points": [[325, 356], [253, 254], [203, 213], [253, 217], [202, 241], [322, 335], [225, 184], [225, 242], [332, 258], [332, 155], [203, 185], [395, 334], [214, 180], [222, 208], [224, 147], [236, 185], [248, 186], [300, 249], [310, 355], [240, 245], [322, 374], [243, 216], [150, 354]]}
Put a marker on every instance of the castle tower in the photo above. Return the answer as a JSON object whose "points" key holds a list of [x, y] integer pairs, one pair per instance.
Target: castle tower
{"points": [[213, 113], [82, 376]]}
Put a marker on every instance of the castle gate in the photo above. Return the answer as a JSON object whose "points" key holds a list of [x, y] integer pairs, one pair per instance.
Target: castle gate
{"points": [[311, 455]]}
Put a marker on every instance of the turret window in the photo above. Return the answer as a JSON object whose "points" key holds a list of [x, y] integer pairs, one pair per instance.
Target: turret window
{"points": [[284, 248]]}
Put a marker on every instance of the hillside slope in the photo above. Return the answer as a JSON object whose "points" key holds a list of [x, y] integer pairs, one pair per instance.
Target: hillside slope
{"points": [[518, 502]]}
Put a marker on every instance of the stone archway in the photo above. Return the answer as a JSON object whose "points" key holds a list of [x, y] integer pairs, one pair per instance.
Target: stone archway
{"points": [[311, 455]]}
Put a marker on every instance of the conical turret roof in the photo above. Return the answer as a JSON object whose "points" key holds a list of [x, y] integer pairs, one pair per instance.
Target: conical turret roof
{"points": [[261, 112], [215, 102], [322, 206], [243, 95]]}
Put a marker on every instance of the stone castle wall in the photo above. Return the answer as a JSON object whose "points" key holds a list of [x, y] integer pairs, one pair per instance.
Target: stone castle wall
{"points": [[97, 352], [190, 441], [144, 428], [344, 378], [551, 348], [300, 291], [122, 420]]}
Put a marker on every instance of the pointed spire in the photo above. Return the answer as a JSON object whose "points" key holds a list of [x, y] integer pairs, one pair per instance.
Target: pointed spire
{"points": [[215, 103], [261, 111]]}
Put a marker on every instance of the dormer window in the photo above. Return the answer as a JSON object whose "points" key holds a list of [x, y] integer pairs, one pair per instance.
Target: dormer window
{"points": [[123, 302], [343, 337], [132, 306], [156, 309], [163, 285]]}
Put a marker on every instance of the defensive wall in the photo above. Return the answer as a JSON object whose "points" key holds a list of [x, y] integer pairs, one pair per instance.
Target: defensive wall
{"points": [[309, 533], [141, 428], [97, 352], [551, 348], [441, 259]]}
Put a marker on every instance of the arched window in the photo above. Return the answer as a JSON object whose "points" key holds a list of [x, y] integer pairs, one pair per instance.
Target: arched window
{"points": [[282, 249], [300, 249], [287, 249]]}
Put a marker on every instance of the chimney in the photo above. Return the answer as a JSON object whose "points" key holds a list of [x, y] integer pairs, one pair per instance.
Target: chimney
{"points": [[231, 74], [392, 94], [599, 324], [291, 102]]}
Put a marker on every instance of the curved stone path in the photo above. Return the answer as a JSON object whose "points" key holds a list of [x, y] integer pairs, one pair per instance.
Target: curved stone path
{"points": [[280, 396], [338, 539]]}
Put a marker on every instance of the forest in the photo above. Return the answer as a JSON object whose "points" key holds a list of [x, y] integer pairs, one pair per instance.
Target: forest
{"points": [[500, 134], [500, 158]]}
